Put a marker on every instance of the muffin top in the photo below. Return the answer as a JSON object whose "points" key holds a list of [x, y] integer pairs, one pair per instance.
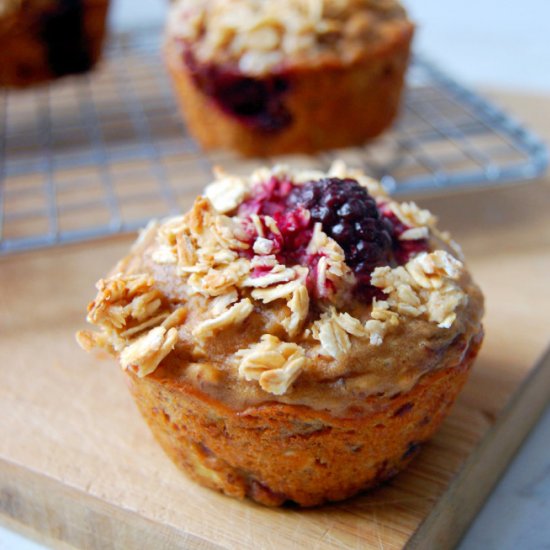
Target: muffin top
{"points": [[259, 36], [290, 286]]}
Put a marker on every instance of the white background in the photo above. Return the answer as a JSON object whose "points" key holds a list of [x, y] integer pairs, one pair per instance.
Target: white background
{"points": [[485, 43], [496, 43]]}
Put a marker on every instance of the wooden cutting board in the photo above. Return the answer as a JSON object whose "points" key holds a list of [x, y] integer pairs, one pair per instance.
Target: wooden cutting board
{"points": [[78, 467]]}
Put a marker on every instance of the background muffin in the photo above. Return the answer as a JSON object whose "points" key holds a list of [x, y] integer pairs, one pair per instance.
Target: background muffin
{"points": [[44, 39], [287, 76], [295, 336]]}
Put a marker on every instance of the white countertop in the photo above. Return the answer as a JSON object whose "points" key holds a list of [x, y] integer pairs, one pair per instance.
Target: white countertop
{"points": [[507, 46]]}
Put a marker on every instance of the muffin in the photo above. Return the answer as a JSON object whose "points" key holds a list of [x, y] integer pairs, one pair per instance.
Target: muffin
{"points": [[41, 40], [266, 78], [296, 336]]}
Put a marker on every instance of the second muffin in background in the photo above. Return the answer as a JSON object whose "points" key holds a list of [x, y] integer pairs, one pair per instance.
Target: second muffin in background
{"points": [[289, 76]]}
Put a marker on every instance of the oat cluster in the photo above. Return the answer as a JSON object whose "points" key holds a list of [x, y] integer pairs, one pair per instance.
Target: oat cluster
{"points": [[258, 35], [228, 260]]}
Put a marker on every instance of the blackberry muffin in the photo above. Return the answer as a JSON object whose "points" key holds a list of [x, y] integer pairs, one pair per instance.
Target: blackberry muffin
{"points": [[289, 76], [41, 40], [295, 336]]}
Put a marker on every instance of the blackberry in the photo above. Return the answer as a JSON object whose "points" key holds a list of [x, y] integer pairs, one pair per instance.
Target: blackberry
{"points": [[350, 216]]}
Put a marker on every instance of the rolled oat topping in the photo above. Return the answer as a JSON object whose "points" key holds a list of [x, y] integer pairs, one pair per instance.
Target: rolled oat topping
{"points": [[145, 353], [259, 35], [248, 255], [275, 364]]}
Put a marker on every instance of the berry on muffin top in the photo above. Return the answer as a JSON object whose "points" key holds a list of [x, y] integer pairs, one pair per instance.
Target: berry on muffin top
{"points": [[288, 276]]}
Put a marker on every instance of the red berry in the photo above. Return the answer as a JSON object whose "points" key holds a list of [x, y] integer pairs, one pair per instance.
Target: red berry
{"points": [[368, 233]]}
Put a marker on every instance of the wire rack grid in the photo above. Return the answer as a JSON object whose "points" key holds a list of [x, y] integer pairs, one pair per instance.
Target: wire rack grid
{"points": [[102, 153]]}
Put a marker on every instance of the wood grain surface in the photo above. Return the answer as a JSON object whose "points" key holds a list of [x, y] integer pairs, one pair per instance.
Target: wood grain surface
{"points": [[79, 466]]}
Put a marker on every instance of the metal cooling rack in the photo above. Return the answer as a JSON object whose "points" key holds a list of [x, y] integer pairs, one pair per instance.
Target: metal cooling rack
{"points": [[100, 154]]}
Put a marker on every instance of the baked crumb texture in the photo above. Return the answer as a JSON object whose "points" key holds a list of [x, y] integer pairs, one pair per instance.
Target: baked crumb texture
{"points": [[293, 75], [278, 453], [220, 327]]}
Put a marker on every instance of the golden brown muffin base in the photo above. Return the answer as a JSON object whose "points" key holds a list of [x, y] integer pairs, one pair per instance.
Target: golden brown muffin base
{"points": [[24, 54], [275, 452], [332, 106]]}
